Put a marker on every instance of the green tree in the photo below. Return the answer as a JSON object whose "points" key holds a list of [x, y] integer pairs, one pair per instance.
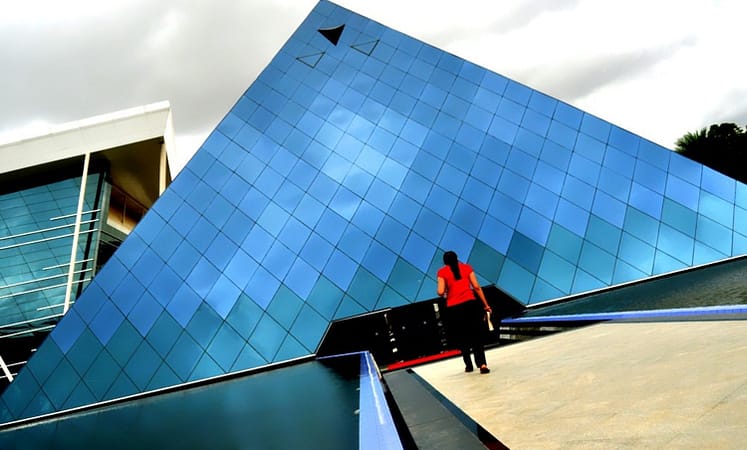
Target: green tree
{"points": [[721, 147]]}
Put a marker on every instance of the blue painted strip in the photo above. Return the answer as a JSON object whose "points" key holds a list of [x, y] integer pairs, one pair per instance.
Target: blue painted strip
{"points": [[675, 312], [376, 426]]}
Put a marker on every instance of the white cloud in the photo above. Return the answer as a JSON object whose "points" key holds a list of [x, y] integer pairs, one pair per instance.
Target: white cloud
{"points": [[659, 68]]}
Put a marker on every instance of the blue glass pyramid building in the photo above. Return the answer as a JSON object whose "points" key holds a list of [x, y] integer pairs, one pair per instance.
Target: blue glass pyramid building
{"points": [[333, 186]]}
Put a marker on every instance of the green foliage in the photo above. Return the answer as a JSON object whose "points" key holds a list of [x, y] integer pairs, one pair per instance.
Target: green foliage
{"points": [[721, 147]]}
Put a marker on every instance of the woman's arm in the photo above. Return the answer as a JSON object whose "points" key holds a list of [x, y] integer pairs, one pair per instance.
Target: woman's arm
{"points": [[478, 289], [441, 289]]}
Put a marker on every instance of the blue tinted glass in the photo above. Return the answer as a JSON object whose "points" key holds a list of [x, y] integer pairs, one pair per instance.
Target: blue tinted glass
{"points": [[184, 304], [221, 251], [740, 220], [464, 88], [649, 176], [345, 203], [536, 122], [713, 235], [225, 347], [142, 365], [609, 209], [562, 134], [325, 297], [590, 148], [675, 244], [682, 192], [467, 217], [625, 140], [203, 276], [542, 103], [477, 193], [596, 127], [124, 296], [505, 208], [478, 117], [184, 356], [614, 184], [521, 163], [525, 251], [597, 262], [470, 136], [503, 129], [510, 110], [568, 115], [486, 99], [163, 334], [603, 234], [340, 269], [457, 239], [515, 279], [309, 210], [309, 328], [641, 225], [679, 217], [557, 271], [455, 106], [392, 234], [145, 313], [486, 171], [201, 235], [584, 169], [654, 154], [418, 251], [578, 192], [718, 184], [222, 296], [534, 226], [301, 277], [564, 243], [451, 179], [517, 92], [495, 150], [294, 234], [541, 200], [556, 155], [637, 253], [513, 185], [685, 168], [316, 251], [572, 217], [103, 325], [646, 200]]}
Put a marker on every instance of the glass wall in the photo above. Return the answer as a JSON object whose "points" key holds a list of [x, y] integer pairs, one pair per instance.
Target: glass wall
{"points": [[332, 187], [36, 237]]}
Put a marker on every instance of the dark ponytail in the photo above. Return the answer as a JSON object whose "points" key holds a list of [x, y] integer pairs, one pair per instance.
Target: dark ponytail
{"points": [[451, 260]]}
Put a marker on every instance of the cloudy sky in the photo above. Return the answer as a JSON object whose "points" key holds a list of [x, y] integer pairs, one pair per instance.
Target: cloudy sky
{"points": [[657, 68]]}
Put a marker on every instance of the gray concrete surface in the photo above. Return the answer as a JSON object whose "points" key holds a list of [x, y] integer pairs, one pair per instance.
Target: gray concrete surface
{"points": [[671, 385]]}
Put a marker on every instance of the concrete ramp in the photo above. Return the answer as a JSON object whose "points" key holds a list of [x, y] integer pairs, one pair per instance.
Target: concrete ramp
{"points": [[612, 385]]}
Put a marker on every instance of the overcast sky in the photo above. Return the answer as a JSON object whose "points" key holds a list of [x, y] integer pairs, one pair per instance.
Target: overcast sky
{"points": [[658, 68]]}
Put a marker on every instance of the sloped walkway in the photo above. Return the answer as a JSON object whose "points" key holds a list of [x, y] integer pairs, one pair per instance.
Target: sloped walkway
{"points": [[613, 385]]}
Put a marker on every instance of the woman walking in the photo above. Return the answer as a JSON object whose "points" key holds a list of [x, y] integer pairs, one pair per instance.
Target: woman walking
{"points": [[458, 283]]}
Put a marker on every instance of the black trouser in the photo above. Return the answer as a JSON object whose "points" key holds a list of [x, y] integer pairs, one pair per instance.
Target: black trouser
{"points": [[466, 330]]}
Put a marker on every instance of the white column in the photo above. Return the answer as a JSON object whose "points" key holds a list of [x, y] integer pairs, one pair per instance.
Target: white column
{"points": [[76, 232], [6, 370]]}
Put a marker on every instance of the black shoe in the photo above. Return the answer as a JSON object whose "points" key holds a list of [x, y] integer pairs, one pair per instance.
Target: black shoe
{"points": [[484, 369], [469, 369]]}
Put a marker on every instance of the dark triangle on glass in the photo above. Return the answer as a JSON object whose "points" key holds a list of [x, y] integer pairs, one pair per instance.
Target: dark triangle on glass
{"points": [[332, 34], [311, 60], [366, 48]]}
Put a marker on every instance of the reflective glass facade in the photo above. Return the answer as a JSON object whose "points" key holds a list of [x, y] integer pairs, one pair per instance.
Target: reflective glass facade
{"points": [[333, 186], [36, 237]]}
